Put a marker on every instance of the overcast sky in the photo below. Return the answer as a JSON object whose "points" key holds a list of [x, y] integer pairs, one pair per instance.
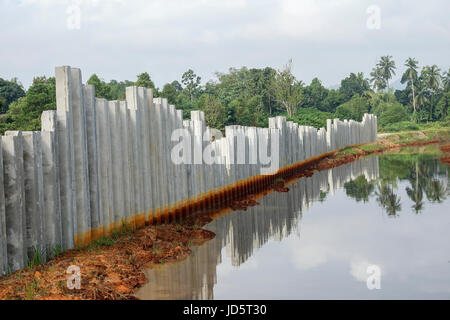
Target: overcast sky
{"points": [[118, 39]]}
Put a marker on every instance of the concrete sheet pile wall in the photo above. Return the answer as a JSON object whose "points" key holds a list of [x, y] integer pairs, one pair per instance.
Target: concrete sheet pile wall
{"points": [[97, 164]]}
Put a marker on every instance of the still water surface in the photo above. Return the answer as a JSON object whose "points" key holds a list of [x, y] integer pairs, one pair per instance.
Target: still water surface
{"points": [[317, 240]]}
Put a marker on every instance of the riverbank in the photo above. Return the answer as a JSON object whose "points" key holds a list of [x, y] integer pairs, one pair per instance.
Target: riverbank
{"points": [[112, 268]]}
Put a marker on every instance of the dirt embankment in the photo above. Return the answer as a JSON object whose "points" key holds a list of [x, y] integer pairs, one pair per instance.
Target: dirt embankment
{"points": [[446, 157], [112, 268]]}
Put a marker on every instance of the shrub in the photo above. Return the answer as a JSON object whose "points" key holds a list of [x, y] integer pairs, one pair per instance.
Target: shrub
{"points": [[353, 109], [401, 126], [311, 117], [395, 112]]}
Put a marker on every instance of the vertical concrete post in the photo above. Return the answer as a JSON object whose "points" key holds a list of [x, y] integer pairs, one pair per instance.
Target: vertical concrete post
{"points": [[182, 171], [152, 179], [170, 125], [117, 164], [301, 138], [127, 158], [14, 202], [155, 157], [198, 155], [3, 241], [66, 155], [50, 167], [135, 116], [281, 124], [34, 197], [329, 135], [144, 109], [104, 165], [83, 212], [188, 167], [92, 155], [163, 189]]}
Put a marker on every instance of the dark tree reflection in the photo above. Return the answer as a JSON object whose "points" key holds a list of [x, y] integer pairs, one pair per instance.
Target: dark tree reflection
{"points": [[427, 182]]}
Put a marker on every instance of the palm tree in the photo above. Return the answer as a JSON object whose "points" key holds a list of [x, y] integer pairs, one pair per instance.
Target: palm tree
{"points": [[410, 75], [432, 78], [387, 68], [377, 79], [446, 80]]}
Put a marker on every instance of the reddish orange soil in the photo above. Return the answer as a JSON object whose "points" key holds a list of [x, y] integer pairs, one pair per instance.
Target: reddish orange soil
{"points": [[115, 271], [446, 157], [109, 272]]}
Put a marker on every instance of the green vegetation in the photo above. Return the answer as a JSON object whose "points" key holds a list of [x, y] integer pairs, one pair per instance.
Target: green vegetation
{"points": [[32, 289], [250, 96], [37, 258], [107, 241], [10, 91]]}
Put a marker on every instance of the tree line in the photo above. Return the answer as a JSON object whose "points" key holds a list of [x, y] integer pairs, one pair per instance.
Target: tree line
{"points": [[249, 96]]}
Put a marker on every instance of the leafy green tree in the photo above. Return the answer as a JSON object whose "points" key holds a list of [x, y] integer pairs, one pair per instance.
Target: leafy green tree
{"points": [[10, 91], [102, 89], [410, 77], [354, 84], [2, 103], [214, 111], [170, 92], [353, 109], [314, 94], [288, 91], [311, 117], [25, 113], [332, 101], [144, 80], [176, 85], [389, 113], [118, 89], [192, 83]]}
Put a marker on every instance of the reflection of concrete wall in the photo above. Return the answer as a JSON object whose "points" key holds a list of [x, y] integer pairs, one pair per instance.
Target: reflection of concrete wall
{"points": [[277, 216], [97, 164]]}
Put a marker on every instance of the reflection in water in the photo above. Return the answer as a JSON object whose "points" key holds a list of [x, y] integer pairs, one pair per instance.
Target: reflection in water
{"points": [[425, 175], [241, 233]]}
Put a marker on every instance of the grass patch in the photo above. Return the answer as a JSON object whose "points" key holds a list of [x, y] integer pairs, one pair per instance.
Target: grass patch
{"points": [[107, 241], [349, 150], [372, 147], [57, 250], [37, 258], [32, 289]]}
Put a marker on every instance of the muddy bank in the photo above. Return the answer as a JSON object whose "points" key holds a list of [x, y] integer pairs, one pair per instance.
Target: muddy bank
{"points": [[112, 268], [446, 157]]}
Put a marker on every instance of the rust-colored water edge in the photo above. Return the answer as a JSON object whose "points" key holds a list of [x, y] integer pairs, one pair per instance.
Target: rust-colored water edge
{"points": [[112, 268]]}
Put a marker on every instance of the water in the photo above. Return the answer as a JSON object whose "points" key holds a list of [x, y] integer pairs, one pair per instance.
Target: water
{"points": [[317, 240]]}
